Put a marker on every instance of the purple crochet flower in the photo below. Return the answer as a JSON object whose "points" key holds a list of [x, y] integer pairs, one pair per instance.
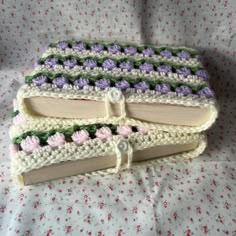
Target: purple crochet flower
{"points": [[126, 65], [203, 74], [183, 71], [183, 55], [97, 47], [143, 86], [164, 69], [130, 51], [40, 80], [183, 90], [114, 49], [60, 81], [103, 83], [90, 63], [206, 92], [109, 64], [162, 88], [148, 52], [70, 63], [122, 85], [51, 62], [81, 82], [62, 45], [79, 47], [146, 67], [166, 54]]}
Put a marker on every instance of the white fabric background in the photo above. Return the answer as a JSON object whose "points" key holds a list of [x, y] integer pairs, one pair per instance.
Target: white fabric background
{"points": [[188, 198]]}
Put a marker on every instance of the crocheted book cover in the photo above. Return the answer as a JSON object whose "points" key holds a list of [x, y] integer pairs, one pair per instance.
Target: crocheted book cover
{"points": [[166, 88], [42, 151], [99, 108]]}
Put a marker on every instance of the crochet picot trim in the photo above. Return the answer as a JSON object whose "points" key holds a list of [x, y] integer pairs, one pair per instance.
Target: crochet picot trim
{"points": [[46, 155]]}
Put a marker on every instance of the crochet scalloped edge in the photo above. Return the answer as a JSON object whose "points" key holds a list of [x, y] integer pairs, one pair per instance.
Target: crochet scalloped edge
{"points": [[17, 174], [45, 156]]}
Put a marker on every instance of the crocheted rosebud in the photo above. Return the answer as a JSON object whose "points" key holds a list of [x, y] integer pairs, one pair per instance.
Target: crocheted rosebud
{"points": [[30, 143], [79, 47], [164, 69], [80, 137], [103, 83], [62, 45], [206, 92], [146, 67], [56, 140], [163, 88], [183, 55], [114, 49], [183, 90], [166, 54], [202, 73], [14, 148], [109, 64], [126, 65], [122, 85], [40, 80], [70, 63], [19, 120], [60, 81], [81, 82], [90, 63], [103, 133], [124, 130], [51, 62], [148, 52], [143, 86], [183, 71], [97, 48], [130, 51], [142, 130]]}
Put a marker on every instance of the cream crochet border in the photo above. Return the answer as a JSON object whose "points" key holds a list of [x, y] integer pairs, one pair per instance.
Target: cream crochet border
{"points": [[45, 156], [37, 122], [86, 53], [135, 73]]}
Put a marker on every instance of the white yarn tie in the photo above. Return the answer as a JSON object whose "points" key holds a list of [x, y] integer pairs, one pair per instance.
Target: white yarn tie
{"points": [[123, 148], [114, 95]]}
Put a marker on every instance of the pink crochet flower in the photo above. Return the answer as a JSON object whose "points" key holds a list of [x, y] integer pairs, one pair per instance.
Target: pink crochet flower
{"points": [[80, 137], [30, 143], [143, 130], [14, 148], [19, 120], [124, 130], [56, 140], [104, 133]]}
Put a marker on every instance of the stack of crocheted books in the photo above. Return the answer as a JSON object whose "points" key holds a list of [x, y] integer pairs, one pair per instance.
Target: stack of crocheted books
{"points": [[97, 108]]}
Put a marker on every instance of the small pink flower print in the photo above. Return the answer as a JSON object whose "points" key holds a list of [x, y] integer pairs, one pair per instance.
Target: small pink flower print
{"points": [[143, 130], [125, 130], [80, 137], [56, 140], [30, 143], [104, 133], [19, 120]]}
